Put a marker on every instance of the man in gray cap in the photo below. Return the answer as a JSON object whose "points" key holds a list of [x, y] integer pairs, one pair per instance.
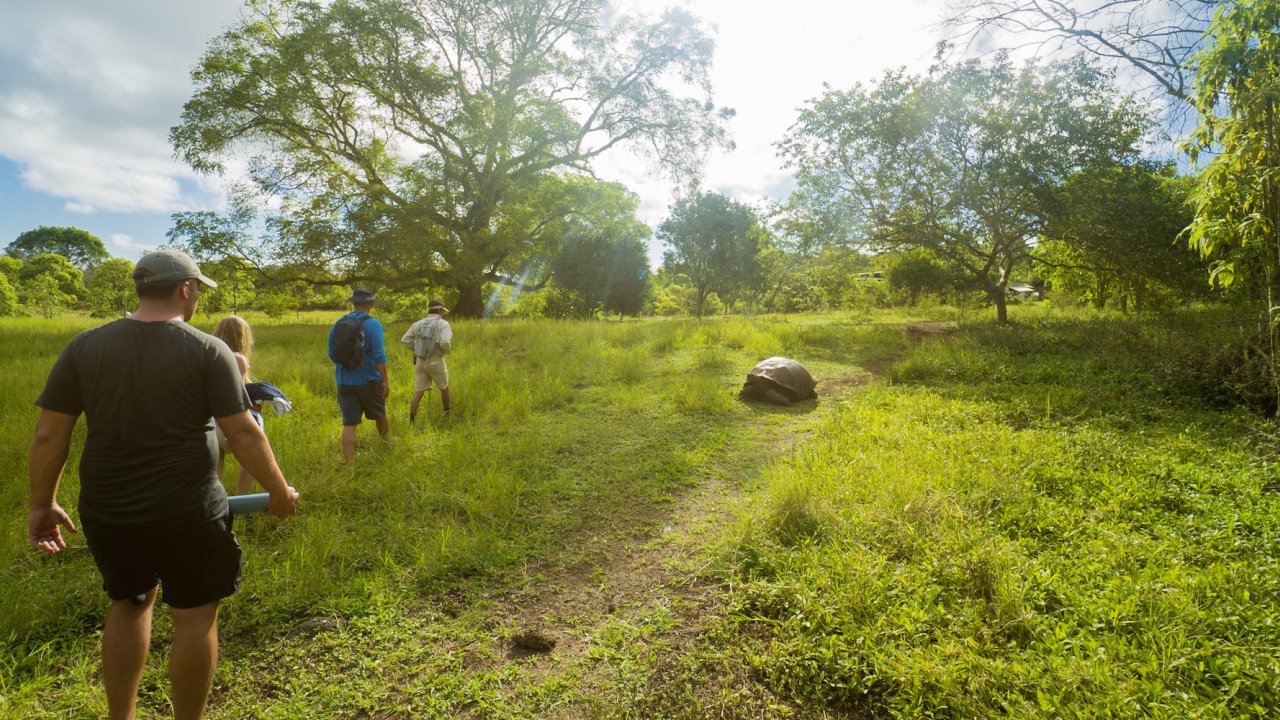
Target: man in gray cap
{"points": [[151, 388], [360, 358]]}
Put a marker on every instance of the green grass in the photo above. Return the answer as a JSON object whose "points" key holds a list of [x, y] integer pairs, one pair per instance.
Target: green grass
{"points": [[558, 430], [1054, 519], [1031, 521]]}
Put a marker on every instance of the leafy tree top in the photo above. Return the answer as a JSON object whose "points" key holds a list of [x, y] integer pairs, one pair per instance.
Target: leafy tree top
{"points": [[81, 247], [399, 133]]}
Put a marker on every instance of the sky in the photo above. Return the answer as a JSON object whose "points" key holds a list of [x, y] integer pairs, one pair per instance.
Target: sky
{"points": [[89, 90]]}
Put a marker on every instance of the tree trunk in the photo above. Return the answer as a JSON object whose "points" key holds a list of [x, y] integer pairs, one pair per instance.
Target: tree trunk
{"points": [[470, 302], [1002, 307]]}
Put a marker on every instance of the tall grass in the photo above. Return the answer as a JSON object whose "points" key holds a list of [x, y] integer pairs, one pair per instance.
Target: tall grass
{"points": [[1032, 521], [1058, 518], [557, 428]]}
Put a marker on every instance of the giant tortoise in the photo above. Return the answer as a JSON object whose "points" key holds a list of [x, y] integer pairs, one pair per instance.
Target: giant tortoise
{"points": [[780, 381]]}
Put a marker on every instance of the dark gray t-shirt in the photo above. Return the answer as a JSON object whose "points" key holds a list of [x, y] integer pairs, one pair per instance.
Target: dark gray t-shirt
{"points": [[149, 392]]}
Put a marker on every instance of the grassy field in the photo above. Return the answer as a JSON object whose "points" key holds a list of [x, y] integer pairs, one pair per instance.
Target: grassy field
{"points": [[1052, 519]]}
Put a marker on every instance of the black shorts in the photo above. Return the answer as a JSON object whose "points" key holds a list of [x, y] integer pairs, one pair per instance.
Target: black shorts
{"points": [[194, 566], [357, 400]]}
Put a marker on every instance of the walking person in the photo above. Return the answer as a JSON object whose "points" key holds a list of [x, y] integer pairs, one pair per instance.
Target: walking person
{"points": [[360, 359], [235, 332], [152, 388], [429, 339]]}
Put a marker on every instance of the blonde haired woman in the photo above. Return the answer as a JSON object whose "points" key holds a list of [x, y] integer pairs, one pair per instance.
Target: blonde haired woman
{"points": [[235, 332]]}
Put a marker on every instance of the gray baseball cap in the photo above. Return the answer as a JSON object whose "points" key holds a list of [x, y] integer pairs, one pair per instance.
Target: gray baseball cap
{"points": [[167, 265]]}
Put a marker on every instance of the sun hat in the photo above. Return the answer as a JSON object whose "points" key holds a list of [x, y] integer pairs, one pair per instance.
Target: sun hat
{"points": [[437, 305], [166, 265], [362, 295]]}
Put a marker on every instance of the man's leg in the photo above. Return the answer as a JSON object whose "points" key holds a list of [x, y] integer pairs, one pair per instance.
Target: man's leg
{"points": [[384, 426], [348, 443], [192, 658], [244, 482], [414, 404], [125, 640], [444, 398]]}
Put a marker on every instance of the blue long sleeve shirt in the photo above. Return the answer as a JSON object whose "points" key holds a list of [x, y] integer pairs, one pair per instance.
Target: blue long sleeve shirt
{"points": [[375, 354]]}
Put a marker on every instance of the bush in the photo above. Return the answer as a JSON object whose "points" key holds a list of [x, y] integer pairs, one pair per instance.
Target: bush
{"points": [[8, 298]]}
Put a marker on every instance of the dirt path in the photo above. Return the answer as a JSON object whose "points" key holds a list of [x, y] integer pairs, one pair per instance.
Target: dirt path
{"points": [[549, 624], [554, 614]]}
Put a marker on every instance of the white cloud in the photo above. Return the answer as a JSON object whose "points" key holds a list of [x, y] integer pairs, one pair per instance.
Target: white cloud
{"points": [[88, 92], [127, 242], [79, 208]]}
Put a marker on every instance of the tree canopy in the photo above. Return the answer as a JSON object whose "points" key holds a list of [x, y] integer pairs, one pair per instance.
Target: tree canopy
{"points": [[602, 258], [110, 288], [81, 247], [965, 161], [1114, 236], [411, 139], [715, 242]]}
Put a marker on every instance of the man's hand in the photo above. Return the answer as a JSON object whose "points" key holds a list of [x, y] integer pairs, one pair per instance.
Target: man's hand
{"points": [[283, 504], [43, 528], [386, 387]]}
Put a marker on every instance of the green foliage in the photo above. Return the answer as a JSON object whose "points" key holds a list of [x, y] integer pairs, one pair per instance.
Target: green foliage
{"points": [[110, 288], [50, 283], [50, 280], [402, 158], [1113, 238], [716, 243], [962, 162], [1237, 202], [8, 298], [553, 302], [1031, 522], [81, 247], [609, 273], [42, 293], [915, 273]]}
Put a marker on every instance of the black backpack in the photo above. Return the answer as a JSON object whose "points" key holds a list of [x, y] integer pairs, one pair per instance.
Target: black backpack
{"points": [[348, 342]]}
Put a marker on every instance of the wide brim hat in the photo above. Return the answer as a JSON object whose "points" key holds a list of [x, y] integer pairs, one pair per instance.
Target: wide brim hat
{"points": [[166, 265], [362, 295], [437, 305]]}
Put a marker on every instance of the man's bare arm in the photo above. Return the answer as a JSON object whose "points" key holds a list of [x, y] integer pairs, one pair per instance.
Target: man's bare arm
{"points": [[50, 445], [249, 444]]}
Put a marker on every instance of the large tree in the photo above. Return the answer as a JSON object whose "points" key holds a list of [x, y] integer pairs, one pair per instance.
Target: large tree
{"points": [[81, 247], [715, 242], [400, 134], [964, 162]]}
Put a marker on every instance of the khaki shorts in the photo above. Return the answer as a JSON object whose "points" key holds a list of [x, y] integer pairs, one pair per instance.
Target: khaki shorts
{"points": [[428, 369]]}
